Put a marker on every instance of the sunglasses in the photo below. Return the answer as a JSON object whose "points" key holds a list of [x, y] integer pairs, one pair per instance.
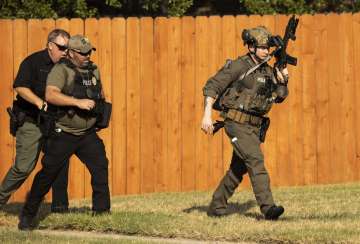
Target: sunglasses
{"points": [[61, 47], [84, 54]]}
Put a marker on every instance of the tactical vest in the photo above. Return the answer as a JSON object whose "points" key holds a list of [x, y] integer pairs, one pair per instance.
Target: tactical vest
{"points": [[254, 93], [85, 85]]}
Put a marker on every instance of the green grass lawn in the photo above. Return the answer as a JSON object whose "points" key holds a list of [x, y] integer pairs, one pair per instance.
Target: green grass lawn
{"points": [[315, 214]]}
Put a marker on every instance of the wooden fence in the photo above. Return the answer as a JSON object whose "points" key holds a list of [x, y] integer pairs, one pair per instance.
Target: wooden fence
{"points": [[153, 71]]}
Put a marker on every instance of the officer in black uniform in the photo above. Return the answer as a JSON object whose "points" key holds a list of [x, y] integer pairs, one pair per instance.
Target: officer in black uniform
{"points": [[30, 85], [74, 86]]}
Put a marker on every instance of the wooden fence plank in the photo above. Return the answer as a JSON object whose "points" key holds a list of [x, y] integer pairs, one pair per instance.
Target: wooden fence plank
{"points": [[19, 54], [321, 80], [133, 106], [336, 72], [173, 166], [147, 105], [160, 101], [62, 23], [356, 62], [118, 118], [241, 22], [188, 119], [77, 26], [6, 96], [20, 43], [216, 164], [348, 90], [309, 100], [201, 75]]}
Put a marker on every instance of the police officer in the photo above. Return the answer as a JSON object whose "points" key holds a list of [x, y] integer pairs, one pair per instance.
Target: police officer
{"points": [[247, 88], [74, 86], [30, 85]]}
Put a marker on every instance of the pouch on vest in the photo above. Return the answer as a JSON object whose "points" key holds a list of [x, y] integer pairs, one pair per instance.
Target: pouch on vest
{"points": [[265, 123], [103, 118], [46, 122]]}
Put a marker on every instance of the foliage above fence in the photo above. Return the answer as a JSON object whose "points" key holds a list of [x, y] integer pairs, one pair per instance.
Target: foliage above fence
{"points": [[100, 8]]}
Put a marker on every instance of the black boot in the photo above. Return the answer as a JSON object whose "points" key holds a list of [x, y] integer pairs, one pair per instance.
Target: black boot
{"points": [[26, 222], [28, 214], [226, 188], [60, 209], [274, 212]]}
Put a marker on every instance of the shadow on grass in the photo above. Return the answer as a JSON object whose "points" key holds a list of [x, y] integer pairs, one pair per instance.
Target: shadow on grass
{"points": [[15, 208], [233, 208]]}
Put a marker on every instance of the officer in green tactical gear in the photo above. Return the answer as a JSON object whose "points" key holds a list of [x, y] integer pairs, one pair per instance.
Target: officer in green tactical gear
{"points": [[246, 87], [73, 87]]}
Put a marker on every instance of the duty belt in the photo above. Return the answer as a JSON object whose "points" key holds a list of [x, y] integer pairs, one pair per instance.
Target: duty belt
{"points": [[30, 119], [242, 117]]}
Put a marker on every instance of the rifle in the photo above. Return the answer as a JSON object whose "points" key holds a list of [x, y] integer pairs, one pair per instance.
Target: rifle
{"points": [[282, 58]]}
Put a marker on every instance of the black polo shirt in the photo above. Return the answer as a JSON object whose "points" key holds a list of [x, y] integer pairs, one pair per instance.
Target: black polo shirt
{"points": [[32, 74]]}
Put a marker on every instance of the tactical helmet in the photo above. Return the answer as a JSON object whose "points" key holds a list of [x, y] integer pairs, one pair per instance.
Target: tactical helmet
{"points": [[258, 36]]}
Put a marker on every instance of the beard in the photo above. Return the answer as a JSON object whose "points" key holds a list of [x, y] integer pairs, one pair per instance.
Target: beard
{"points": [[85, 64]]}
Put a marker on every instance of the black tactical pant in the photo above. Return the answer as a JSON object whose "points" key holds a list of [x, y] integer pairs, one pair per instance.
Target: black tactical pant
{"points": [[248, 158], [90, 150]]}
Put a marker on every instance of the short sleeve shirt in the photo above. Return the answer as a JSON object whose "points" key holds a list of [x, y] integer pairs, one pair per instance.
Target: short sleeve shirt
{"points": [[33, 72]]}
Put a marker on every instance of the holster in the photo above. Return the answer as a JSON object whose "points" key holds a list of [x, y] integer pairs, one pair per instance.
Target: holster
{"points": [[17, 119], [264, 126], [103, 118]]}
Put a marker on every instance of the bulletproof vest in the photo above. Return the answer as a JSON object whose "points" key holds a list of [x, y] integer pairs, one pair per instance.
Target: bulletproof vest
{"points": [[254, 93], [85, 85]]}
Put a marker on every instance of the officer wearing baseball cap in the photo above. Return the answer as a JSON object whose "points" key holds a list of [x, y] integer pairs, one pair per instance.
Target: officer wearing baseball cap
{"points": [[80, 44], [74, 87]]}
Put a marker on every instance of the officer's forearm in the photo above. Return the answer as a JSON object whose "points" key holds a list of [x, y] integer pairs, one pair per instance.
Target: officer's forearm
{"points": [[58, 98], [208, 103], [29, 96]]}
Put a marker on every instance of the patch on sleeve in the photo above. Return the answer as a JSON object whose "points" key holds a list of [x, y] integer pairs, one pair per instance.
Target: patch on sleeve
{"points": [[227, 63]]}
